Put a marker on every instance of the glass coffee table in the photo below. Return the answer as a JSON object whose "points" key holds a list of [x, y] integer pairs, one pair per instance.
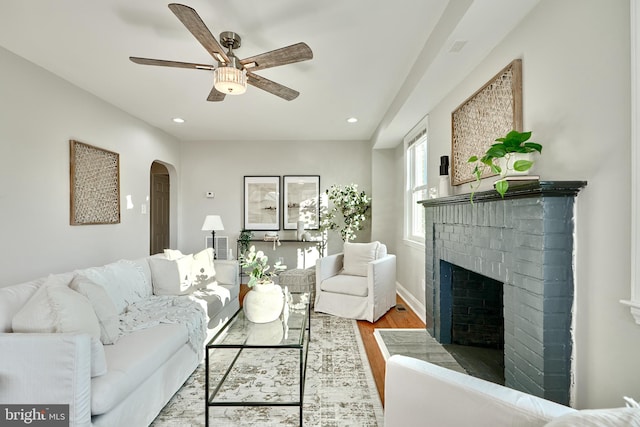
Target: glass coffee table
{"points": [[239, 355]]}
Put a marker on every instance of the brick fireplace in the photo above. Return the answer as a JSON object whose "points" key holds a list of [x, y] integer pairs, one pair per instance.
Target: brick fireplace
{"points": [[525, 242]]}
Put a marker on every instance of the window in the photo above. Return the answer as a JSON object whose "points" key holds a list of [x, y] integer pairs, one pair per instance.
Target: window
{"points": [[416, 181]]}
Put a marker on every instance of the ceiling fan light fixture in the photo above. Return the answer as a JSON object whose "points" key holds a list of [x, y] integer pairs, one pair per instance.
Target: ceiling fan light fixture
{"points": [[230, 80]]}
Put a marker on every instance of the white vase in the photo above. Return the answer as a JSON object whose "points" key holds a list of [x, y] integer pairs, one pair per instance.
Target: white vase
{"points": [[300, 230], [506, 163], [263, 303]]}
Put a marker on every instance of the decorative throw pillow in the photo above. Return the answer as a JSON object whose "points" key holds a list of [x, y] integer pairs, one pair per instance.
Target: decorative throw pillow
{"points": [[203, 271], [171, 277], [104, 308], [616, 417], [125, 282], [57, 308], [173, 254], [357, 256]]}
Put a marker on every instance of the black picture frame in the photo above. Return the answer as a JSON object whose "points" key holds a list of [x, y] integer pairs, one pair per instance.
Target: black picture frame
{"points": [[301, 199], [261, 203]]}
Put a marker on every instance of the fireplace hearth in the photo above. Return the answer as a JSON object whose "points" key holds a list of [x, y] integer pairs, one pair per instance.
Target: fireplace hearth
{"points": [[524, 244]]}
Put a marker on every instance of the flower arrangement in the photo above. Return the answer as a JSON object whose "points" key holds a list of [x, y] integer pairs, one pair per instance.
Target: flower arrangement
{"points": [[351, 204], [260, 271]]}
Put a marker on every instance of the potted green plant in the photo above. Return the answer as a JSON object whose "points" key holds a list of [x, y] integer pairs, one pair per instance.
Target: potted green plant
{"points": [[244, 239], [510, 154]]}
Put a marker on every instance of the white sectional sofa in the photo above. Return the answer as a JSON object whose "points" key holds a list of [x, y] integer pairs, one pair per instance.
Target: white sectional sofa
{"points": [[114, 342], [418, 393]]}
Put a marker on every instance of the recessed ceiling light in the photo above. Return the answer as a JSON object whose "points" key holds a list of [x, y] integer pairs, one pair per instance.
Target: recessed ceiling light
{"points": [[178, 120], [352, 120]]}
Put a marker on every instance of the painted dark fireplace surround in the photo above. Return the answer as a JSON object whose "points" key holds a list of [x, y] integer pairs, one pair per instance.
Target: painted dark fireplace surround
{"points": [[526, 242]]}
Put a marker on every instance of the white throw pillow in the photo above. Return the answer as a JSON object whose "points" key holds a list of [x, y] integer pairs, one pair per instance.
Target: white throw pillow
{"points": [[173, 254], [357, 256], [203, 271], [125, 282], [57, 308], [171, 277], [104, 308], [616, 417]]}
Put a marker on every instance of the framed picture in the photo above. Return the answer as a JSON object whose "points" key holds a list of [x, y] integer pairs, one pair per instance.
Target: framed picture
{"points": [[490, 113], [301, 201], [261, 203], [94, 185]]}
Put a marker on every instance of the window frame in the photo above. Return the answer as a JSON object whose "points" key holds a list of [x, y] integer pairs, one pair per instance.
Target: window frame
{"points": [[416, 137]]}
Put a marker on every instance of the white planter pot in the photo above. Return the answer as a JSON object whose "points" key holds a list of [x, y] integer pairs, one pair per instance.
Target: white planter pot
{"points": [[263, 303], [506, 163]]}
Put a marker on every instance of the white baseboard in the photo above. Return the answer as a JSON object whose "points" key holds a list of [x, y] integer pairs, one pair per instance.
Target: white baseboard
{"points": [[418, 308]]}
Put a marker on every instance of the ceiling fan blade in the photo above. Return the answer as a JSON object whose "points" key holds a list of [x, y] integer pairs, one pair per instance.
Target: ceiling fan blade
{"points": [[285, 55], [163, 63], [272, 87], [190, 18], [215, 96]]}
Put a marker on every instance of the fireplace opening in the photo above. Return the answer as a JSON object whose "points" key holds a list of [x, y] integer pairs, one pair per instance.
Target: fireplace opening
{"points": [[477, 323]]}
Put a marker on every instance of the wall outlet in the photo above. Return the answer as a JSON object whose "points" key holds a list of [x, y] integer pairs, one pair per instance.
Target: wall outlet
{"points": [[210, 195]]}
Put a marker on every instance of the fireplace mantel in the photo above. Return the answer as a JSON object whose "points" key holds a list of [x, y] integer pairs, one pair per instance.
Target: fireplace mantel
{"points": [[517, 190], [525, 241]]}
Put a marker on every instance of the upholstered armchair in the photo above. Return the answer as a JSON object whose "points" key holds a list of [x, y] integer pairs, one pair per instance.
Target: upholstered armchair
{"points": [[359, 283]]}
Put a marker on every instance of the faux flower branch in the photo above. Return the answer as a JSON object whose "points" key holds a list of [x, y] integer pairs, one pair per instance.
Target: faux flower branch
{"points": [[260, 271], [351, 205]]}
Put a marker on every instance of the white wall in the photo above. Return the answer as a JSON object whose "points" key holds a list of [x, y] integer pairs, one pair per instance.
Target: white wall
{"points": [[385, 186], [576, 86], [220, 168], [39, 114]]}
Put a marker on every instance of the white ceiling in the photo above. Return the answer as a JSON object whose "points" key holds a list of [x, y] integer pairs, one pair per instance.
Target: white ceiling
{"points": [[384, 62]]}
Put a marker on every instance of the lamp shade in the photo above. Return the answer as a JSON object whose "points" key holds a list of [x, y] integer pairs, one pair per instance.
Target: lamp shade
{"points": [[230, 80], [212, 223]]}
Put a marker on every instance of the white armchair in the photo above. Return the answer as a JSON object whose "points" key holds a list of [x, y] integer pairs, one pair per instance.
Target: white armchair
{"points": [[359, 283]]}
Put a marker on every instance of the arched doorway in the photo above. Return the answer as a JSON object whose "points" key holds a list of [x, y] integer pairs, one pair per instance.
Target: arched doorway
{"points": [[160, 207]]}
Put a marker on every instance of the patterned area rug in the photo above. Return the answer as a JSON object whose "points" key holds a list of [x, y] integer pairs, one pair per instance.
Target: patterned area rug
{"points": [[339, 390]]}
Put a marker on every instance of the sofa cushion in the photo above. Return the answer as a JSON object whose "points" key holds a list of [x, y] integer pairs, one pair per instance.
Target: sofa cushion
{"points": [[98, 358], [171, 277], [12, 298], [104, 308], [125, 282], [57, 308], [346, 284], [615, 417], [357, 256], [132, 360]]}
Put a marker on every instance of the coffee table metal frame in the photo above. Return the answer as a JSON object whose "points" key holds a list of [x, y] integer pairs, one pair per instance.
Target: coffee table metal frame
{"points": [[239, 327]]}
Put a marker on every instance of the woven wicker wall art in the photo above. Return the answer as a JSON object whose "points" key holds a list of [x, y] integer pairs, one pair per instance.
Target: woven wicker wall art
{"points": [[95, 185], [490, 113]]}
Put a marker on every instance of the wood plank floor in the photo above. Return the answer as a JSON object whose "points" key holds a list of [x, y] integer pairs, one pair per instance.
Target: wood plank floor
{"points": [[393, 319]]}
